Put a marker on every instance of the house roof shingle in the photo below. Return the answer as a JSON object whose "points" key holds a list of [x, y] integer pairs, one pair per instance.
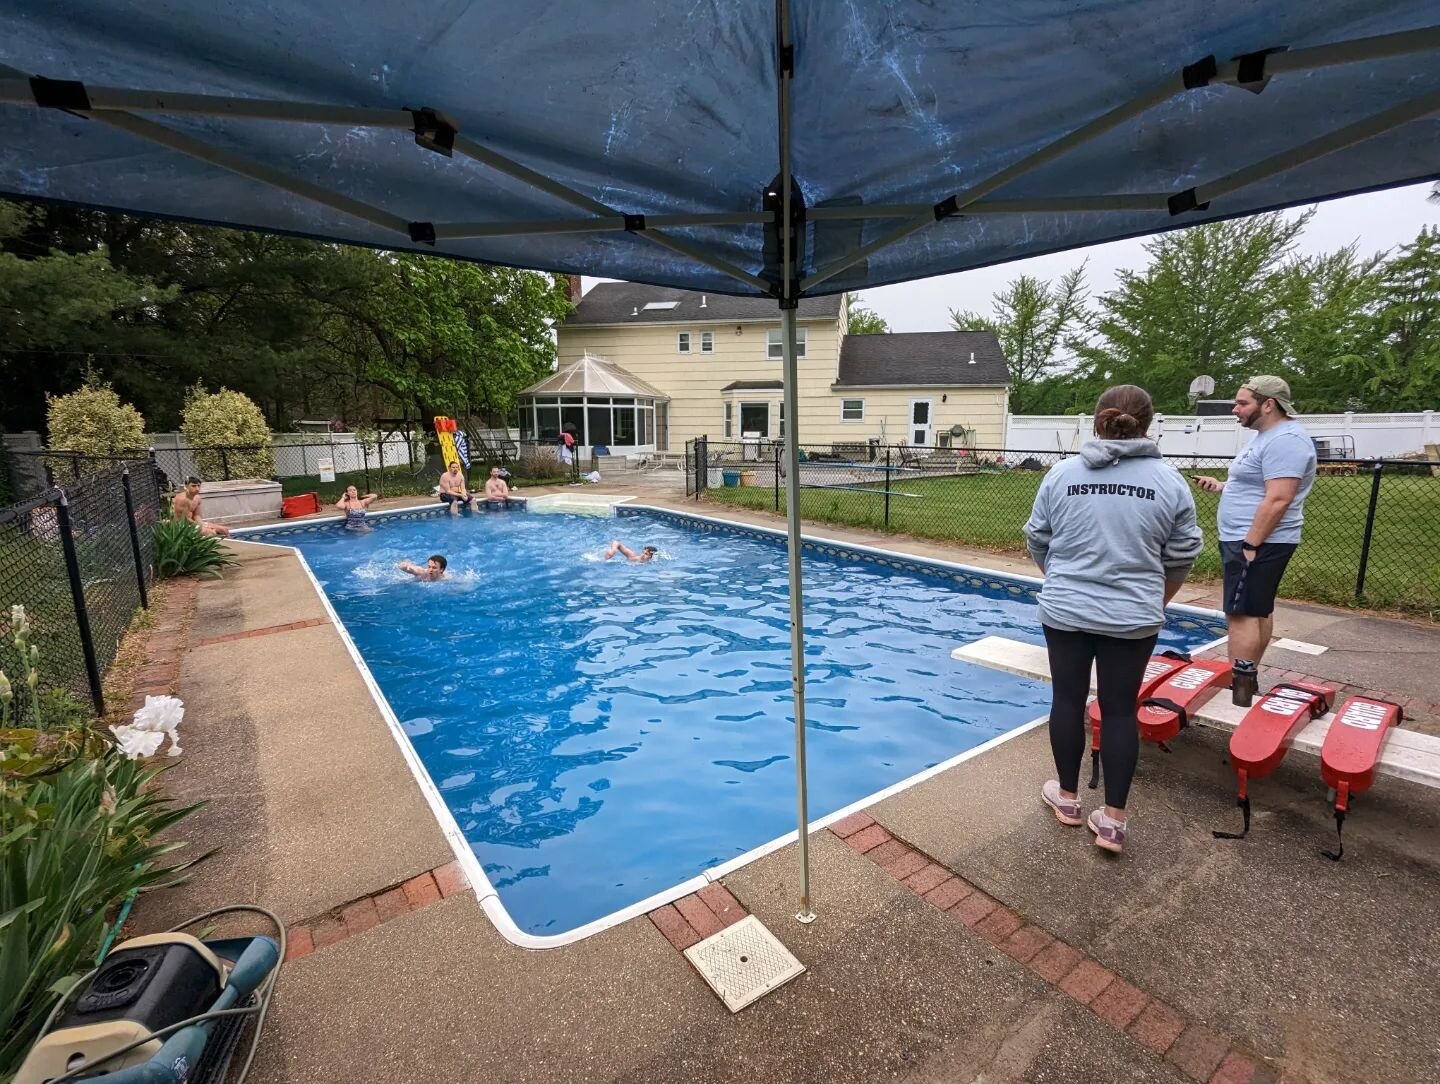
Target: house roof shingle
{"points": [[624, 303], [935, 358], [754, 385]]}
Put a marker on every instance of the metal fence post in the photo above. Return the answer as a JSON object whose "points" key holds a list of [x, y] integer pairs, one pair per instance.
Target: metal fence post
{"points": [[224, 466], [381, 490], [777, 476], [77, 595], [702, 464], [75, 465], [1378, 469], [134, 538], [887, 487]]}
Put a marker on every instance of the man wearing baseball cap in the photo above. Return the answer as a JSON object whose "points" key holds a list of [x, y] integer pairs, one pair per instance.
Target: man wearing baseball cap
{"points": [[1262, 506]]}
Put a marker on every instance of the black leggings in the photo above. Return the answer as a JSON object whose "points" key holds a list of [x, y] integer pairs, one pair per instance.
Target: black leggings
{"points": [[1119, 670]]}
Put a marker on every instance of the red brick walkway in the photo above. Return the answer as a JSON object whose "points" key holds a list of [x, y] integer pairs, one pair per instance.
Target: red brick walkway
{"points": [[370, 911], [268, 630], [1198, 1052]]}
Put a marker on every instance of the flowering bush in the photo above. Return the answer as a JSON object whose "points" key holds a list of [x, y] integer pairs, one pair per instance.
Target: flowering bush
{"points": [[93, 420], [230, 420]]}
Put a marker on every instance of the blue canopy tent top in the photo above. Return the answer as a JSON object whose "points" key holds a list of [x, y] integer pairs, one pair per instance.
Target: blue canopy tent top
{"points": [[783, 148]]}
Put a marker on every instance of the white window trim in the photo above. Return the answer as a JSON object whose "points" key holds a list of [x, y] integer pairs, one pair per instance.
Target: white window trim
{"points": [[842, 410], [801, 340], [729, 423], [707, 342], [683, 342]]}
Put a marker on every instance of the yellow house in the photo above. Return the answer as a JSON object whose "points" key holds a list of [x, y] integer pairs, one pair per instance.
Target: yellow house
{"points": [[692, 364]]}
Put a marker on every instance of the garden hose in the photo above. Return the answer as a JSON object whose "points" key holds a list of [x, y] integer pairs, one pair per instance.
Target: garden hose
{"points": [[259, 1010]]}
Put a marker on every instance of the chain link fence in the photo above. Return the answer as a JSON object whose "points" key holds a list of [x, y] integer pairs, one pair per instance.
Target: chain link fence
{"points": [[1371, 526], [80, 558]]}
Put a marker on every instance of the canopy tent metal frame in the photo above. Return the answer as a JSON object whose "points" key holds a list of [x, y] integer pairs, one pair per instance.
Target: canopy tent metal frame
{"points": [[781, 214]]}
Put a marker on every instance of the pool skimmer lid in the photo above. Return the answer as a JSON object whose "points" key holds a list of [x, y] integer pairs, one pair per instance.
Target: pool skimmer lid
{"points": [[744, 962]]}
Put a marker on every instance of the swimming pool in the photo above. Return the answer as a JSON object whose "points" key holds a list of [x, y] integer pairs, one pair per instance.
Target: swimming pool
{"points": [[601, 731]]}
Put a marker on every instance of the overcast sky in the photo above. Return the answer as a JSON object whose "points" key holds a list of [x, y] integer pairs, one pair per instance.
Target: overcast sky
{"points": [[1379, 221]]}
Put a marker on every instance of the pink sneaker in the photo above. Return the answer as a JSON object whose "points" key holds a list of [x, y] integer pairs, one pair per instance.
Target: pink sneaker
{"points": [[1066, 810], [1109, 833]]}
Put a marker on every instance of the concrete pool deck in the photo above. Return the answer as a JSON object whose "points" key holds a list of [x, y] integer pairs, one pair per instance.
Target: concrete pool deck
{"points": [[1187, 959]]}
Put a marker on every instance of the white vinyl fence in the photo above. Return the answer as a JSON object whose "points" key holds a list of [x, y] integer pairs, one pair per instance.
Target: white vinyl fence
{"points": [[1362, 436], [298, 455]]}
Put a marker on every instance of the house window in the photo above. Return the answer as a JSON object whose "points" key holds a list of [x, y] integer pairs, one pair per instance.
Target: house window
{"points": [[782, 419], [707, 342], [682, 342], [852, 410], [729, 420], [775, 346], [755, 419]]}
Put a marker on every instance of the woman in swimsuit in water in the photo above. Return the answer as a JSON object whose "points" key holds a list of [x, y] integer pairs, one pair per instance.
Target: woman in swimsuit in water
{"points": [[354, 506]]}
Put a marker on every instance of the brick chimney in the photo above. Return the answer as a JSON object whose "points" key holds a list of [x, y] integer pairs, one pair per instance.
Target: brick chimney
{"points": [[574, 291]]}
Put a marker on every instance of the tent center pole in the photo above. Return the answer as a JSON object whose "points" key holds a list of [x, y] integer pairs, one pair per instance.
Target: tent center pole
{"points": [[797, 606]]}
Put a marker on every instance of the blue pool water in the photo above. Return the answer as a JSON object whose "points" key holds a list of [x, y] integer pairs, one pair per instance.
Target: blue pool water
{"points": [[602, 731]]}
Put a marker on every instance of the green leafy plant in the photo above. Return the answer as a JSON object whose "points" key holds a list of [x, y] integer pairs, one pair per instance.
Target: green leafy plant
{"points": [[230, 420], [182, 550], [92, 420], [71, 846]]}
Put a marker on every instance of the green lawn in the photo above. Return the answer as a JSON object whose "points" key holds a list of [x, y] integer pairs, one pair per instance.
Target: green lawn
{"points": [[988, 511]]}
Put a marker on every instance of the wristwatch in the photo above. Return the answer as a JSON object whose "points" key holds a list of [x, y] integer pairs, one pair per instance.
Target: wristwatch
{"points": [[1249, 548]]}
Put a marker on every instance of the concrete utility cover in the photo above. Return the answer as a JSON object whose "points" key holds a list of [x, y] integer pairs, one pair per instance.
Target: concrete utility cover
{"points": [[744, 962], [1300, 646]]}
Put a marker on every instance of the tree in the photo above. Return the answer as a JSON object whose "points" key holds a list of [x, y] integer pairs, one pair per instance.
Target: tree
{"points": [[1404, 373], [1206, 305], [860, 320], [93, 420], [1032, 320]]}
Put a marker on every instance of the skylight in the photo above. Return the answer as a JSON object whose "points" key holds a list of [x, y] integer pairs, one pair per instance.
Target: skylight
{"points": [[661, 304]]}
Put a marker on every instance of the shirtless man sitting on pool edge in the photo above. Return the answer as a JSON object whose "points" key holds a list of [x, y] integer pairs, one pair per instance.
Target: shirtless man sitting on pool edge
{"points": [[186, 505]]}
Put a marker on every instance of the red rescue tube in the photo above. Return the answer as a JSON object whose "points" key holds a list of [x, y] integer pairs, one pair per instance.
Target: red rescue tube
{"points": [[1352, 747], [1263, 737], [1157, 670], [1170, 703]]}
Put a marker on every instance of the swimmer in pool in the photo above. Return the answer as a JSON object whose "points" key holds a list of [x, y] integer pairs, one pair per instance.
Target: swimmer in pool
{"points": [[433, 569], [646, 554]]}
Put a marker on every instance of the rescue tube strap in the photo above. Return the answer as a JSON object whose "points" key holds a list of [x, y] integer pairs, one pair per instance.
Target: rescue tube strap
{"points": [[1244, 804], [1168, 705], [1094, 768], [1339, 852]]}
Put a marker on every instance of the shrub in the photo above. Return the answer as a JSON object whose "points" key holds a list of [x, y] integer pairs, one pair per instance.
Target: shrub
{"points": [[72, 845], [182, 550], [230, 420], [94, 421]]}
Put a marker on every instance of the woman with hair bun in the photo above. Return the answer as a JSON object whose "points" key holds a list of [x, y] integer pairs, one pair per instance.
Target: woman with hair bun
{"points": [[1114, 532]]}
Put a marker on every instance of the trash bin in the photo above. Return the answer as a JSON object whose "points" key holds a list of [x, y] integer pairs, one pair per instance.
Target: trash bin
{"points": [[747, 477], [714, 478], [732, 477]]}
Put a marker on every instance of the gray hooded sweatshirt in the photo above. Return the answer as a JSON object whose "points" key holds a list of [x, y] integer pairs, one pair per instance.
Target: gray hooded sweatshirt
{"points": [[1109, 529]]}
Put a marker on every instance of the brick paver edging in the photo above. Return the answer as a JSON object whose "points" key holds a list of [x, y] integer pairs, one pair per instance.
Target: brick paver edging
{"points": [[367, 912], [1194, 1049], [268, 630], [165, 642], [691, 919]]}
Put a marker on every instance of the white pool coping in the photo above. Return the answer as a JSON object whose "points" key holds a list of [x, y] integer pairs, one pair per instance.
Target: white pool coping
{"points": [[1406, 754], [485, 891]]}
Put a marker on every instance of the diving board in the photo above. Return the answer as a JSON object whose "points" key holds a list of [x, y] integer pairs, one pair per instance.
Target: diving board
{"points": [[1406, 754]]}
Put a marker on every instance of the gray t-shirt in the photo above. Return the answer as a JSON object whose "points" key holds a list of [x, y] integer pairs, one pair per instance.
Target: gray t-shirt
{"points": [[1282, 451]]}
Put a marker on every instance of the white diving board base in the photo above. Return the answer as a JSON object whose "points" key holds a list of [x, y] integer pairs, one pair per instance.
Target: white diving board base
{"points": [[1405, 755]]}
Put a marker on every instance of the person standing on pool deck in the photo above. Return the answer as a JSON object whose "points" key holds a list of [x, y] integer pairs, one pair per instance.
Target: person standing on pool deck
{"points": [[1262, 507], [1114, 532]]}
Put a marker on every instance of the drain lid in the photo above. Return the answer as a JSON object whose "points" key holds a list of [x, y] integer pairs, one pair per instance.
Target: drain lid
{"points": [[744, 962]]}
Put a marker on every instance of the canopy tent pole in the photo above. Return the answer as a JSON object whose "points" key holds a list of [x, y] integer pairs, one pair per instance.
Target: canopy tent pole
{"points": [[789, 301]]}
